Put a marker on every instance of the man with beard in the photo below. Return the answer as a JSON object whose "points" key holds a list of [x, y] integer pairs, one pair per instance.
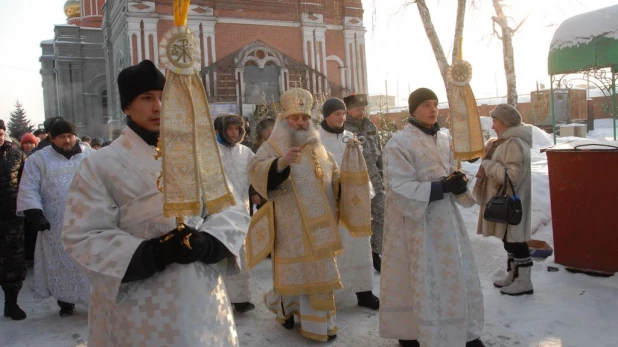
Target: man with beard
{"points": [[42, 195], [12, 260], [356, 261], [298, 175], [46, 141], [359, 125], [153, 283], [236, 157]]}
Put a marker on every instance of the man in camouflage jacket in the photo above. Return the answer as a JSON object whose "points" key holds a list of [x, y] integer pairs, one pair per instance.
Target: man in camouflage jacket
{"points": [[12, 259], [358, 123]]}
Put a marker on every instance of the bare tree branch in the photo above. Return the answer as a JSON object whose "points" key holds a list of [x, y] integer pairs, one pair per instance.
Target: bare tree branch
{"points": [[520, 23], [493, 26]]}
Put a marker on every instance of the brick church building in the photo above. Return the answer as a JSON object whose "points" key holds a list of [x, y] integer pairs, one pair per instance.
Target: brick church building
{"points": [[252, 51]]}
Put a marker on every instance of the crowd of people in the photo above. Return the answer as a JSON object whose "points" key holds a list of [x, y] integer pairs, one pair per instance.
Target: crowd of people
{"points": [[93, 221]]}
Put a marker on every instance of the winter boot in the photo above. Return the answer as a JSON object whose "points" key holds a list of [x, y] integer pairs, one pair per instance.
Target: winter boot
{"points": [[243, 307], [475, 343], [377, 261], [66, 309], [508, 279], [289, 323], [409, 343], [521, 284], [11, 309], [367, 299]]}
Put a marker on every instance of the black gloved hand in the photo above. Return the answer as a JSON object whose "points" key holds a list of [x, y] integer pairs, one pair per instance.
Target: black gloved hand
{"points": [[178, 246], [455, 183], [37, 220]]}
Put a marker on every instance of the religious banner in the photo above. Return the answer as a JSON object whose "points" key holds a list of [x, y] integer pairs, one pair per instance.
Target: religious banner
{"points": [[465, 123], [192, 176]]}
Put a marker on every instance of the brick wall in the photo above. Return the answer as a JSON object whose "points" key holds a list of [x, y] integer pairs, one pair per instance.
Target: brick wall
{"points": [[231, 37]]}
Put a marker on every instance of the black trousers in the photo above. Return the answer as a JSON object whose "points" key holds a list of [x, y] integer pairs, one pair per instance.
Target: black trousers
{"points": [[518, 250], [12, 259]]}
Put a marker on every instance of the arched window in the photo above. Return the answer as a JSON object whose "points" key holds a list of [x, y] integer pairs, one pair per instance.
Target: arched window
{"points": [[104, 107]]}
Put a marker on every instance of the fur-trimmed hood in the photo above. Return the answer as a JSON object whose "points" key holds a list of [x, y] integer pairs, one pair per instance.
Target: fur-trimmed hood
{"points": [[222, 122]]}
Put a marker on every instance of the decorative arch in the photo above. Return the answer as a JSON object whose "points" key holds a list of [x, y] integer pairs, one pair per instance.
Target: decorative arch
{"points": [[342, 69], [260, 54], [97, 84], [337, 59]]}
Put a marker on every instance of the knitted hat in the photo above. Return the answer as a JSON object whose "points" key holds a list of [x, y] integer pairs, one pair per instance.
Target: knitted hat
{"points": [[95, 142], [507, 114], [2, 126], [138, 79], [331, 105], [356, 100], [62, 126], [38, 132], [47, 124], [29, 138], [418, 97]]}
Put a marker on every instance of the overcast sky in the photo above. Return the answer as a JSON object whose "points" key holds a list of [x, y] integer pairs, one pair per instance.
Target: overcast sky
{"points": [[397, 48]]}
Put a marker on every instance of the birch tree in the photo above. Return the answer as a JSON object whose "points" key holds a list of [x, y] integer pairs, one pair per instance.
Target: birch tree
{"points": [[506, 36], [434, 40]]}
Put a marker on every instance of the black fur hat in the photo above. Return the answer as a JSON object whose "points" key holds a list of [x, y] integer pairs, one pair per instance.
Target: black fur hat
{"points": [[138, 79]]}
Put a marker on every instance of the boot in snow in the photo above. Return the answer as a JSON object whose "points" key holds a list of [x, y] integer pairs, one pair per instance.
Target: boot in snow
{"points": [[521, 284], [11, 309], [508, 279]]}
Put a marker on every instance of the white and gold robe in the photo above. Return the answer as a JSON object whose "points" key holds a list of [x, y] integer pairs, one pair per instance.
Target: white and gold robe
{"points": [[430, 289], [235, 164], [184, 305], [306, 237], [355, 264], [45, 185]]}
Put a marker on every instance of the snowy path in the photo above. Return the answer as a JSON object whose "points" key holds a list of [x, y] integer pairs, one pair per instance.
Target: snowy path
{"points": [[566, 310]]}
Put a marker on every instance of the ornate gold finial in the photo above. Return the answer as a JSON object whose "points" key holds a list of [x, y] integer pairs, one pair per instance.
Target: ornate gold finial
{"points": [[72, 8]]}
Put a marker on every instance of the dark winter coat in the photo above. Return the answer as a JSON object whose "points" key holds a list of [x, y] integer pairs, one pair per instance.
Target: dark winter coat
{"points": [[11, 165], [44, 143]]}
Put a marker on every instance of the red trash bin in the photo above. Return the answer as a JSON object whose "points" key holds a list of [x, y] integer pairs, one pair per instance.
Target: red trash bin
{"points": [[583, 185]]}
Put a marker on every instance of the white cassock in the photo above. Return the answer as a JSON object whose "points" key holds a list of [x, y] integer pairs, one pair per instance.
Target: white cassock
{"points": [[235, 162], [184, 305], [45, 186], [430, 289], [355, 264]]}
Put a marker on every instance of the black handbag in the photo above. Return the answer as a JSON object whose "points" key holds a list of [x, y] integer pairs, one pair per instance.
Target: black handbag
{"points": [[504, 208]]}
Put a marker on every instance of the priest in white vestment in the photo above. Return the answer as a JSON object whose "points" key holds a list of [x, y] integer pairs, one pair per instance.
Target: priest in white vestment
{"points": [[153, 284], [294, 171], [430, 289], [42, 195], [236, 157], [356, 262]]}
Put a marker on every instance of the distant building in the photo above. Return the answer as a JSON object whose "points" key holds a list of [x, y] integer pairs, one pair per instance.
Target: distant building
{"points": [[381, 103], [252, 51]]}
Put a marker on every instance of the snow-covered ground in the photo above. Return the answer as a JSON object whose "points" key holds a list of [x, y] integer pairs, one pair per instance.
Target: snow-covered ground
{"points": [[570, 310]]}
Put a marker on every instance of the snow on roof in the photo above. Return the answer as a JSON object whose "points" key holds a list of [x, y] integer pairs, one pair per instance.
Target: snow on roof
{"points": [[583, 28]]}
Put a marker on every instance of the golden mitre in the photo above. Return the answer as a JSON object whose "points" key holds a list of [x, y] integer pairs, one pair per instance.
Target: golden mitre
{"points": [[296, 101]]}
